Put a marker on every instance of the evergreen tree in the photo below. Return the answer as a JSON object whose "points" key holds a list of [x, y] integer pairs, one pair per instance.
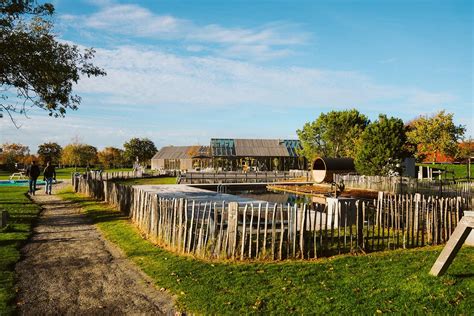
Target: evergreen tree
{"points": [[382, 145]]}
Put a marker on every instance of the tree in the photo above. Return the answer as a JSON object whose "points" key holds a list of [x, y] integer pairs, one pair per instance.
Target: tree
{"points": [[35, 69], [381, 147], [49, 152], [79, 155], [13, 154], [111, 157], [436, 134], [332, 134], [142, 148]]}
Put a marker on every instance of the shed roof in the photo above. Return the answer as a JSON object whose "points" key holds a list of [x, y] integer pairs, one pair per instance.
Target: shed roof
{"points": [[182, 152]]}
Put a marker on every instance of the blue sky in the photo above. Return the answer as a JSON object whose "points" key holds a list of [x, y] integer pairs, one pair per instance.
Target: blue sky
{"points": [[181, 72]]}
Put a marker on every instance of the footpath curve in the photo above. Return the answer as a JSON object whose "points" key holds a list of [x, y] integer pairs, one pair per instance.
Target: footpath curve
{"points": [[67, 267]]}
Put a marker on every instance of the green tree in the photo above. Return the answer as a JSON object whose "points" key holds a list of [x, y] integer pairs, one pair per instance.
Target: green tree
{"points": [[79, 155], [49, 152], [382, 145], [435, 134], [35, 67], [333, 134], [143, 149], [111, 157]]}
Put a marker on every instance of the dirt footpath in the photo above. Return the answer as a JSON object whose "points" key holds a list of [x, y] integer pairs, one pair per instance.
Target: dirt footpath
{"points": [[69, 268]]}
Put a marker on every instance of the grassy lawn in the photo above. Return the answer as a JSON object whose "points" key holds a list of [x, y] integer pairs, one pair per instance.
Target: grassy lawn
{"points": [[22, 213], [460, 171], [61, 173], [4, 175], [143, 181], [396, 281]]}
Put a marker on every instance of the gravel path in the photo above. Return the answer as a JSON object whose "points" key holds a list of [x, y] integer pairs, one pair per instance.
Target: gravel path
{"points": [[67, 267]]}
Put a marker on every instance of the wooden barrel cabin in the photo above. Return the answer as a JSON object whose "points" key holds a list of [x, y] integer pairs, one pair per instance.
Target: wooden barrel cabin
{"points": [[325, 168]]}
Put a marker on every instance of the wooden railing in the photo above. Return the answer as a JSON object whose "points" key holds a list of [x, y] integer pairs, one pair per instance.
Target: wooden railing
{"points": [[265, 231], [242, 177]]}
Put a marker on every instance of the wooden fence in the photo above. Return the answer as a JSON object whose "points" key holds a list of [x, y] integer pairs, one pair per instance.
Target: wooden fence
{"points": [[399, 185], [275, 231], [241, 177], [100, 175]]}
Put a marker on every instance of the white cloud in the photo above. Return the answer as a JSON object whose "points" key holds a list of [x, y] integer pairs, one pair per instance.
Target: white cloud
{"points": [[149, 77], [267, 41]]}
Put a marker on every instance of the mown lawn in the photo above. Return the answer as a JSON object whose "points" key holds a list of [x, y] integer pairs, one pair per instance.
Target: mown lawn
{"points": [[396, 281], [460, 171], [61, 173], [22, 214], [144, 181]]}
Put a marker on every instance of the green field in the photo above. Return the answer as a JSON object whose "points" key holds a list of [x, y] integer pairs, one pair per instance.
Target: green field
{"points": [[459, 171], [61, 173], [22, 214], [395, 281]]}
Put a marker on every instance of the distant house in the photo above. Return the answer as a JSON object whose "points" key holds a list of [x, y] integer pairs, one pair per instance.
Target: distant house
{"points": [[181, 158], [232, 155]]}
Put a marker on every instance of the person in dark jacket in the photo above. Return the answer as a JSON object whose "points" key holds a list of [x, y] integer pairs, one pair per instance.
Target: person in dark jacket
{"points": [[49, 174], [33, 172]]}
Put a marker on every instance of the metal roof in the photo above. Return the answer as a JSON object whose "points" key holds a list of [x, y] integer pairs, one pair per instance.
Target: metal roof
{"points": [[254, 147], [182, 152]]}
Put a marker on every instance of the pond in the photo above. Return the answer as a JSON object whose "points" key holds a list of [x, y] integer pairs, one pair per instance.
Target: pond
{"points": [[275, 196], [18, 183]]}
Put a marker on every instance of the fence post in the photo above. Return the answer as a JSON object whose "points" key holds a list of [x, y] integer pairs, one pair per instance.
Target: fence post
{"points": [[360, 226], [4, 216], [233, 209]]}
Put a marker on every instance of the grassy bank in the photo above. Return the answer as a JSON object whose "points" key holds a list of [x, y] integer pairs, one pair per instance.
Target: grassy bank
{"points": [[148, 181], [22, 213], [459, 171], [396, 281]]}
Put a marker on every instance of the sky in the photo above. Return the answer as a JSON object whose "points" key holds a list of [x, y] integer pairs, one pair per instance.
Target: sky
{"points": [[182, 72]]}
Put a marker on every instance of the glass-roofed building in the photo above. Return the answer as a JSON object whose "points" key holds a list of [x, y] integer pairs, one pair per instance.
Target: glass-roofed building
{"points": [[256, 154], [232, 154]]}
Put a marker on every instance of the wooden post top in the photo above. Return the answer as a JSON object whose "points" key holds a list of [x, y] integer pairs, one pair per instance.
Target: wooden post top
{"points": [[457, 239]]}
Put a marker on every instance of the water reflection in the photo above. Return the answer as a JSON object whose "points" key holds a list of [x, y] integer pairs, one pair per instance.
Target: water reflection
{"points": [[277, 196]]}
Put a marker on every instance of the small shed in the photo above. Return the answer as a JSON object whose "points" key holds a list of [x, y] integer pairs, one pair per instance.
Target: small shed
{"points": [[181, 158], [325, 168]]}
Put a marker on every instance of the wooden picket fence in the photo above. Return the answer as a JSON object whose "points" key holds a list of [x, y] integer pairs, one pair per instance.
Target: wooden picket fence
{"points": [[258, 231], [399, 185]]}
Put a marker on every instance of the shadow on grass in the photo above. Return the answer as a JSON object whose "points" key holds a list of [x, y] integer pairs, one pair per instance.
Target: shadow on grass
{"points": [[464, 275], [9, 242], [101, 216]]}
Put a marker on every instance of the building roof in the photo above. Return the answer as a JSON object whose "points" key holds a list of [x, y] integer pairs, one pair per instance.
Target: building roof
{"points": [[254, 147], [182, 152]]}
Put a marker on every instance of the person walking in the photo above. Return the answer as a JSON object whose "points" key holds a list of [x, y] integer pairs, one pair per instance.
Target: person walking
{"points": [[49, 174], [33, 172]]}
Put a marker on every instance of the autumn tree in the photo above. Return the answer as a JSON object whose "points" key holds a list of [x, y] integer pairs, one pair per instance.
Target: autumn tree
{"points": [[435, 134], [12, 154], [111, 157], [332, 134], [49, 152], [79, 155], [381, 147], [37, 70], [143, 149]]}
